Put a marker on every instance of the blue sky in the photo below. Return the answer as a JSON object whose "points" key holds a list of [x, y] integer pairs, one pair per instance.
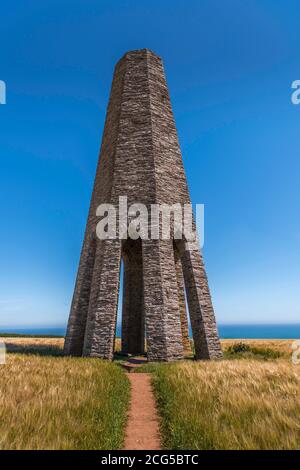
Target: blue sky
{"points": [[229, 66]]}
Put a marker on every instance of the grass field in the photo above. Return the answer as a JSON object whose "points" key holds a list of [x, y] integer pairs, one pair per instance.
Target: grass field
{"points": [[249, 400], [245, 402], [50, 402]]}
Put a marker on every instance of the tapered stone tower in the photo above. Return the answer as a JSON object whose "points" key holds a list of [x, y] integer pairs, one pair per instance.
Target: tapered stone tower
{"points": [[140, 158]]}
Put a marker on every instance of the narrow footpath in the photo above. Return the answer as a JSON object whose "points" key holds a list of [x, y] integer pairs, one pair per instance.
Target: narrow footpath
{"points": [[142, 432]]}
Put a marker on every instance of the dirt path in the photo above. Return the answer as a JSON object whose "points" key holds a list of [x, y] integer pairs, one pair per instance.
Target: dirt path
{"points": [[142, 431]]}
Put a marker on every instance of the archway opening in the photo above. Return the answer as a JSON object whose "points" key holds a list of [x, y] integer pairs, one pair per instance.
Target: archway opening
{"points": [[131, 318], [186, 330]]}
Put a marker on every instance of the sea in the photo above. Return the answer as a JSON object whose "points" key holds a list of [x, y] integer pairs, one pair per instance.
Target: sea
{"points": [[226, 331]]}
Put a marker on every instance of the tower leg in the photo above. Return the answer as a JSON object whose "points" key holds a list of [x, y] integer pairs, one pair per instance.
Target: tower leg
{"points": [[204, 328], [80, 303], [162, 317], [133, 324], [102, 315]]}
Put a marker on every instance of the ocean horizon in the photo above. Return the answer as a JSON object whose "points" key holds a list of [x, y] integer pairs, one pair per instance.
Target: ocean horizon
{"points": [[226, 331]]}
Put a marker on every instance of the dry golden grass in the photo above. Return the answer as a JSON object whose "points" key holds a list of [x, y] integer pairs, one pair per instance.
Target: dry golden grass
{"points": [[41, 346], [49, 402], [230, 404], [281, 345], [31, 341]]}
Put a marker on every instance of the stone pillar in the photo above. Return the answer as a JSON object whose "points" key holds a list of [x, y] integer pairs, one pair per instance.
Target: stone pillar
{"points": [[162, 316], [81, 298], [204, 328], [102, 315]]}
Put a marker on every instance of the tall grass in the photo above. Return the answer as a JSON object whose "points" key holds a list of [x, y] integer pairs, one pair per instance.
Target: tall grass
{"points": [[247, 404], [61, 403]]}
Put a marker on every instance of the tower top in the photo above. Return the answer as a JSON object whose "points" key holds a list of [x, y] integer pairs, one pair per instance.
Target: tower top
{"points": [[139, 52]]}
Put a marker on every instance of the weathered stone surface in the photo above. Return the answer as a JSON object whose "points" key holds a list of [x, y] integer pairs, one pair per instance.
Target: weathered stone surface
{"points": [[140, 158]]}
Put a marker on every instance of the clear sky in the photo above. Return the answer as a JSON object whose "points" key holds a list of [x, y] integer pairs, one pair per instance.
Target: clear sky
{"points": [[229, 66]]}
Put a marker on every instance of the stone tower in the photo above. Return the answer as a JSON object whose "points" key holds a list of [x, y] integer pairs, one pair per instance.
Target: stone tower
{"points": [[140, 158]]}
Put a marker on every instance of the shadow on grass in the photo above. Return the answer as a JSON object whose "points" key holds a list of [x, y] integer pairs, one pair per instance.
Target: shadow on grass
{"points": [[38, 350]]}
